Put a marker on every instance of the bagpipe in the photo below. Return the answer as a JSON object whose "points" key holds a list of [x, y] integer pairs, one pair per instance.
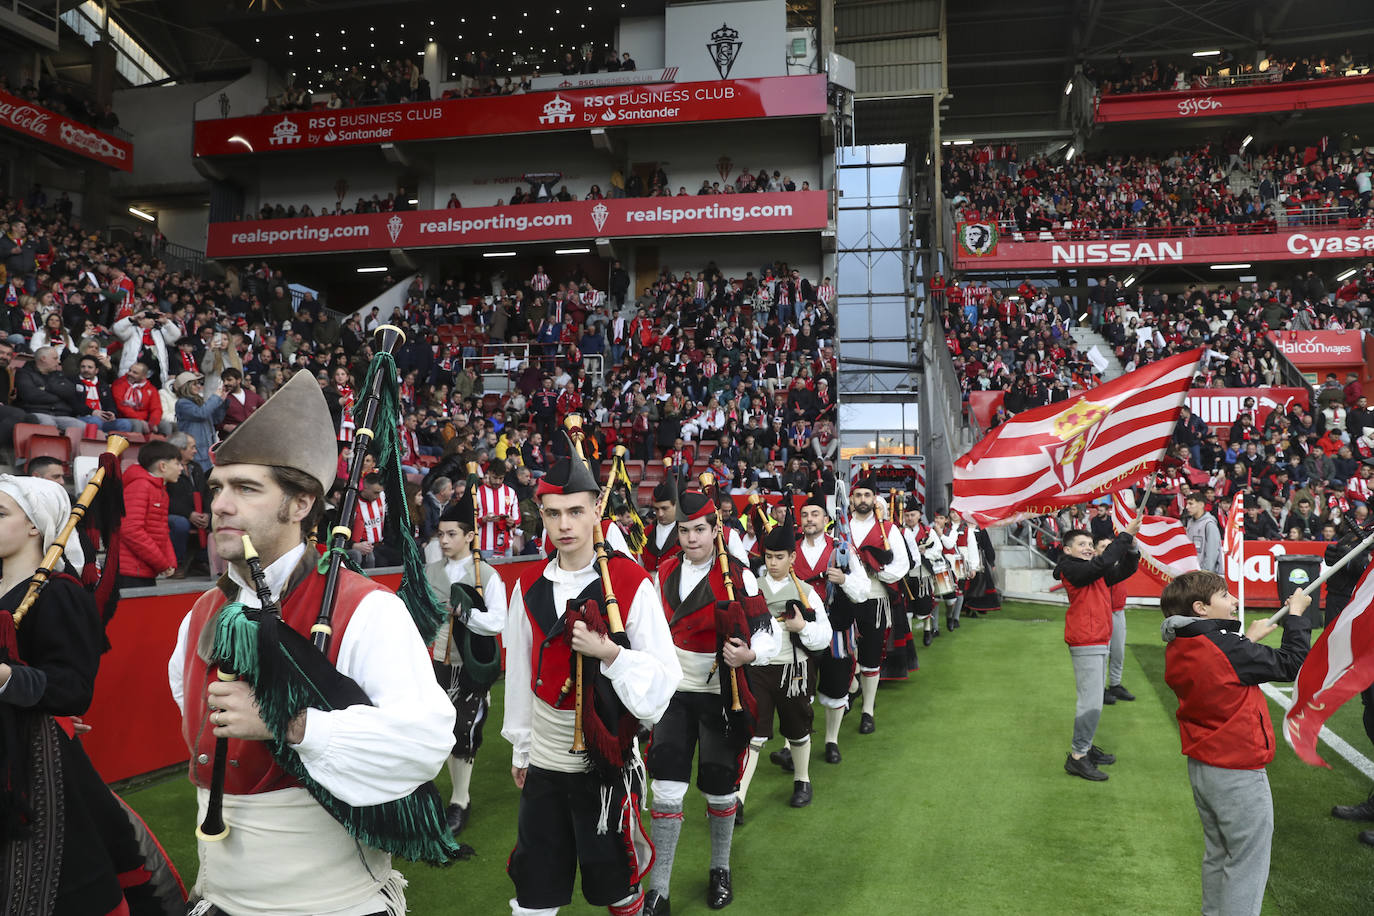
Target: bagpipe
{"points": [[479, 655], [733, 622], [289, 672], [602, 727], [619, 485], [837, 603]]}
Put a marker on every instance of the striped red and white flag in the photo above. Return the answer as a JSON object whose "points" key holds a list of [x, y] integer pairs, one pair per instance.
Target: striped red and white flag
{"points": [[1233, 541], [1090, 445], [1165, 547], [1339, 666]]}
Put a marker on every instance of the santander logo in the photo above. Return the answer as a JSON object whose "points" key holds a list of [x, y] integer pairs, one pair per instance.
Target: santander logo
{"points": [[1194, 106]]}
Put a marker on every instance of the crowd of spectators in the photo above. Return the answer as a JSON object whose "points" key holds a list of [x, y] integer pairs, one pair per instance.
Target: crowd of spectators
{"points": [[1224, 69], [70, 100], [1212, 188], [617, 187], [103, 337]]}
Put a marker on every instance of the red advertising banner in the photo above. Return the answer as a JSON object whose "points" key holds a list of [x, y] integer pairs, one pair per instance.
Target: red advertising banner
{"points": [[1219, 407], [73, 136], [535, 112], [788, 211], [1320, 349], [979, 246], [1239, 100], [1261, 573]]}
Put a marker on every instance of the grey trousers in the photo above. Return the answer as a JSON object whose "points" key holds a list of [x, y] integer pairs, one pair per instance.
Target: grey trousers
{"points": [[1089, 667], [1116, 650], [1237, 814]]}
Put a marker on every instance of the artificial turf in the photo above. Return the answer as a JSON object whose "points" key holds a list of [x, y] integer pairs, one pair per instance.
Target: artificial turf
{"points": [[958, 804]]}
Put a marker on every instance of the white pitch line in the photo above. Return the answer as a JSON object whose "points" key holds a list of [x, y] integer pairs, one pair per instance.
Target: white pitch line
{"points": [[1334, 741]]}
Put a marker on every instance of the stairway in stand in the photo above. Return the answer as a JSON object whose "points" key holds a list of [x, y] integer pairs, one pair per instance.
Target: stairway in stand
{"points": [[1087, 339]]}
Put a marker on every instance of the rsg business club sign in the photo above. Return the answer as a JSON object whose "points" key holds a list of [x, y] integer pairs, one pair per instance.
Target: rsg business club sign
{"points": [[573, 109]]}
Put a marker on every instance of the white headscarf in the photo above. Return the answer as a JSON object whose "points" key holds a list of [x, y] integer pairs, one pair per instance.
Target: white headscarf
{"points": [[45, 503]]}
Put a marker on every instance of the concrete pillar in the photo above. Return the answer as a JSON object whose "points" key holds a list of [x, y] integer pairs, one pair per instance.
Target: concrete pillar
{"points": [[435, 67], [103, 72]]}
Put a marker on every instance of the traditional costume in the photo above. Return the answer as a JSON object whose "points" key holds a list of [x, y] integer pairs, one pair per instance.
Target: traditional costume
{"points": [[661, 543], [700, 722], [581, 810], [920, 582], [285, 852], [981, 595], [873, 542]]}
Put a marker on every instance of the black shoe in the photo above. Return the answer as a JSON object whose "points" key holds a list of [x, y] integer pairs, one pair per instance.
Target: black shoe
{"points": [[1121, 693], [1108, 698], [465, 852], [739, 813], [1083, 766], [1367, 837], [1099, 757], [866, 726], [782, 758], [457, 817], [801, 794], [718, 892], [934, 631], [956, 623], [1364, 811], [927, 637], [832, 752], [656, 905]]}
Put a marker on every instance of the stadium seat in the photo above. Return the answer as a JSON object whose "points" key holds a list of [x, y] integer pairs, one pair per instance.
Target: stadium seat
{"points": [[24, 434], [50, 445]]}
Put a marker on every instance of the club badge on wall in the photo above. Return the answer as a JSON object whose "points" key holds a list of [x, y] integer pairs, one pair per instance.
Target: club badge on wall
{"points": [[724, 48], [977, 239], [723, 167], [393, 228]]}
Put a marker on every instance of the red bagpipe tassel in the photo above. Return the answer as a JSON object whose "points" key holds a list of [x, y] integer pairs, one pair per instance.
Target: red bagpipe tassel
{"points": [[9, 638], [599, 703], [732, 622]]}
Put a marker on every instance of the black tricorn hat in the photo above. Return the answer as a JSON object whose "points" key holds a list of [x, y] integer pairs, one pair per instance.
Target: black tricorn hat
{"points": [[463, 510], [784, 535], [569, 474]]}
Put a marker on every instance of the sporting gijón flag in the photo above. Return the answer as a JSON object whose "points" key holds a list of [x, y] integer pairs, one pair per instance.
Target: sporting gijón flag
{"points": [[1340, 665], [1090, 445], [1164, 544]]}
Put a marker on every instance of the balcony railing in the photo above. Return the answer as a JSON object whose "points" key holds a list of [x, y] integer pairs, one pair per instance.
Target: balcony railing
{"points": [[1324, 217]]}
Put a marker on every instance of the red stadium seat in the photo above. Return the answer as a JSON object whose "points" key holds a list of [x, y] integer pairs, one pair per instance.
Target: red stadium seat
{"points": [[48, 445], [24, 433]]}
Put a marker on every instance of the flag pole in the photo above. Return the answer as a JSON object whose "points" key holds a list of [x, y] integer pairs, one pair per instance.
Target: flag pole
{"points": [[1314, 588]]}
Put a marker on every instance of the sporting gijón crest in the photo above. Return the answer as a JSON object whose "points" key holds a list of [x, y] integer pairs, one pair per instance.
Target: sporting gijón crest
{"points": [[1075, 432]]}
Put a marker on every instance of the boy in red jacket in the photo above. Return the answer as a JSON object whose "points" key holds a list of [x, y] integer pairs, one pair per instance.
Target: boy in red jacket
{"points": [[1088, 578], [1223, 721]]}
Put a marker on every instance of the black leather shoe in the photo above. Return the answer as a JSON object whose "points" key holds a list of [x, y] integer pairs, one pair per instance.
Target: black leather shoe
{"points": [[457, 817], [718, 892], [1084, 767], [1108, 698], [782, 758], [1364, 811], [656, 905], [1099, 757], [801, 794], [1367, 837], [866, 726], [1121, 693], [955, 624], [934, 631], [832, 752], [927, 637]]}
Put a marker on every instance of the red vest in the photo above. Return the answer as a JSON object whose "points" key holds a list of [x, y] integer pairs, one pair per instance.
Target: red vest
{"points": [[693, 620], [251, 768], [550, 656], [814, 576], [651, 556], [875, 541]]}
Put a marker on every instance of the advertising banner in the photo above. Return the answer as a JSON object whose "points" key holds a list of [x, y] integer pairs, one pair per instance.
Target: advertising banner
{"points": [[1320, 349], [1239, 100], [1219, 407], [980, 247], [34, 121], [789, 211], [1261, 573], [535, 112]]}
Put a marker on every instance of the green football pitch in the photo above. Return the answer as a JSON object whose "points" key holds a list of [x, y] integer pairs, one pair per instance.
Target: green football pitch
{"points": [[959, 803]]}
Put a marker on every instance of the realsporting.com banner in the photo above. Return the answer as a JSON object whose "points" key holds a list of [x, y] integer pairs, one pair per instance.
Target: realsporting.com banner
{"points": [[791, 211], [73, 136], [535, 112], [980, 247], [1240, 100]]}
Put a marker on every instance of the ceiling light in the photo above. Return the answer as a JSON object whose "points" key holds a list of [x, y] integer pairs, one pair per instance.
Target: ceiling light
{"points": [[1128, 281], [498, 254], [1342, 277], [1246, 142], [317, 34], [1068, 87], [1229, 266], [1207, 53], [431, 22], [371, 270], [1068, 156], [414, 201], [962, 142], [143, 215], [571, 250], [257, 41]]}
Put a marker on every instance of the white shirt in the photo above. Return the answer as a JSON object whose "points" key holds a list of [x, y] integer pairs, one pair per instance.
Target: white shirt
{"points": [[364, 755], [645, 676], [856, 587], [815, 635], [492, 621], [696, 666], [894, 570]]}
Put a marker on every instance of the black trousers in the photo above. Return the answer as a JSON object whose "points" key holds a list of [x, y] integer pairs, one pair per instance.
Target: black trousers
{"points": [[695, 726]]}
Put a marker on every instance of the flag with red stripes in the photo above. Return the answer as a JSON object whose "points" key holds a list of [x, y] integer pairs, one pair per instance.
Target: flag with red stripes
{"points": [[1339, 666], [1164, 545], [1089, 445], [1233, 541]]}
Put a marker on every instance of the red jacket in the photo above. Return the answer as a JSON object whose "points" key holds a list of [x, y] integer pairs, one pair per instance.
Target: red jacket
{"points": [[1223, 718], [1119, 595], [145, 542], [137, 403], [1088, 621]]}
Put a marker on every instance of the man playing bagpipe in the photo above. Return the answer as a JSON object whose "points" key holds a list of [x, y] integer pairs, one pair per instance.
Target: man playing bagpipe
{"points": [[757, 525], [661, 542], [467, 660], [920, 578], [290, 788], [580, 810], [817, 563], [874, 540], [719, 624], [786, 684]]}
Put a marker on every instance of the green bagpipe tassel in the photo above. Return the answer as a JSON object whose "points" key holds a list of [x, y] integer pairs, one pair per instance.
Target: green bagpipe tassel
{"points": [[414, 591], [288, 674]]}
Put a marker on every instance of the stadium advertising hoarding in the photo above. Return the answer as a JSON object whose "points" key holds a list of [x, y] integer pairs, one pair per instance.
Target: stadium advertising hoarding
{"points": [[790, 211], [535, 112], [1240, 100], [37, 122], [1261, 573], [983, 246]]}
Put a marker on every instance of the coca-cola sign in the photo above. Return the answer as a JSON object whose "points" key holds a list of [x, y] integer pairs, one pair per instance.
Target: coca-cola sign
{"points": [[41, 124]]}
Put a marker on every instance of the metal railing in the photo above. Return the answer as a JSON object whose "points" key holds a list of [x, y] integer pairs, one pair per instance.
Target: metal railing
{"points": [[1325, 217], [1270, 76], [1023, 535]]}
